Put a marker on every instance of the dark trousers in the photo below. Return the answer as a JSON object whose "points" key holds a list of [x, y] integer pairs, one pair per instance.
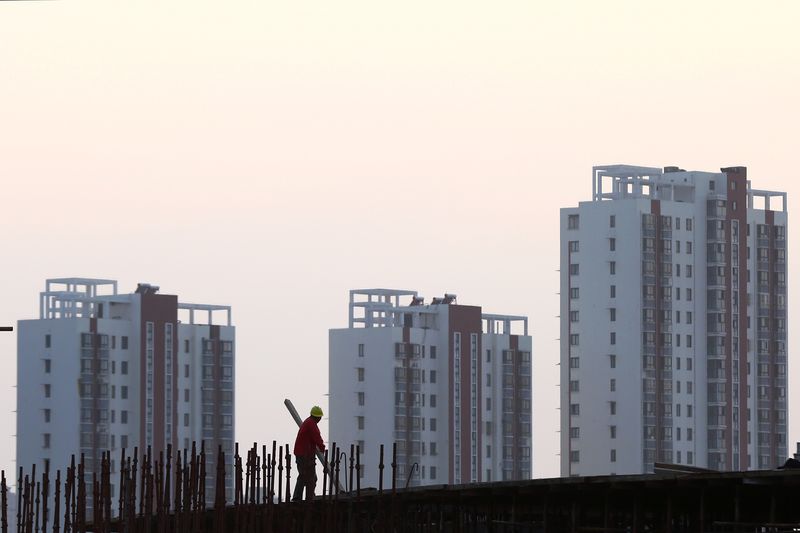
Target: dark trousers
{"points": [[306, 478]]}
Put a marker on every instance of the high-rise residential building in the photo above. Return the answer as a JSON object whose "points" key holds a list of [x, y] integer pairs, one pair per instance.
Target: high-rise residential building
{"points": [[673, 323], [101, 371], [450, 385]]}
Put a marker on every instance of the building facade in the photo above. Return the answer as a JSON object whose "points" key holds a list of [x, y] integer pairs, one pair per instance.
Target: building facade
{"points": [[450, 385], [673, 323], [100, 371]]}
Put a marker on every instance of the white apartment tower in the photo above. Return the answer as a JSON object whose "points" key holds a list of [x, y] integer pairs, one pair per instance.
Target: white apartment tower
{"points": [[673, 323], [447, 383], [101, 371]]}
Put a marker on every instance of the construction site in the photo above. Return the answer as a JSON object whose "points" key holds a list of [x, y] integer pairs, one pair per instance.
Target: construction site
{"points": [[166, 493]]}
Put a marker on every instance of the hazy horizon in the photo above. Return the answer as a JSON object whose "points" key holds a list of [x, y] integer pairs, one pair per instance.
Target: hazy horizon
{"points": [[272, 157]]}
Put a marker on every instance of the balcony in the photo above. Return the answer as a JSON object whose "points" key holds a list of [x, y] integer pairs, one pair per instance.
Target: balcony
{"points": [[715, 305], [715, 236], [715, 258]]}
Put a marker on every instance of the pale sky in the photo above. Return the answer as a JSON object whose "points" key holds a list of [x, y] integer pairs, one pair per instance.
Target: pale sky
{"points": [[273, 155]]}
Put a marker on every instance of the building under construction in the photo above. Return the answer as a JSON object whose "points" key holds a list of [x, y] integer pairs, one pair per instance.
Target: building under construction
{"points": [[163, 493]]}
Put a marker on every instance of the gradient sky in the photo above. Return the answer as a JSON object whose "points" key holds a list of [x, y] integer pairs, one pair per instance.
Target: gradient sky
{"points": [[273, 155]]}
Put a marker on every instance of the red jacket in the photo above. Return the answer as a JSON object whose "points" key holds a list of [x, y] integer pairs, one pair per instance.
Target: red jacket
{"points": [[308, 439]]}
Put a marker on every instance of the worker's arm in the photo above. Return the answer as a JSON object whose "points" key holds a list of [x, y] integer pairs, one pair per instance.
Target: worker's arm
{"points": [[318, 439]]}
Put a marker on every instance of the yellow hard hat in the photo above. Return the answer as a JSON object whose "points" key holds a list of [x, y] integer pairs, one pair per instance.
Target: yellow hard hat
{"points": [[316, 411]]}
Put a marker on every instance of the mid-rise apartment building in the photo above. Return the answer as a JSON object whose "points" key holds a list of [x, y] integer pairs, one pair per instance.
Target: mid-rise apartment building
{"points": [[450, 385], [673, 323], [101, 371]]}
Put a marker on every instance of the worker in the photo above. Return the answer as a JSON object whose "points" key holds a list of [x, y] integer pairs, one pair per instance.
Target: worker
{"points": [[308, 442]]}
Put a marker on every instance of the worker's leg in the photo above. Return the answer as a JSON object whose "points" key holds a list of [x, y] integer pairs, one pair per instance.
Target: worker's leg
{"points": [[301, 481], [311, 477]]}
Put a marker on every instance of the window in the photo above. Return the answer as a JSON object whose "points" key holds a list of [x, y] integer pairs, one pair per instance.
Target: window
{"points": [[46, 443], [689, 434], [47, 390], [433, 424], [575, 409], [574, 385], [360, 422], [612, 361], [688, 224], [689, 295], [612, 221], [612, 385], [612, 314], [613, 456], [572, 221], [612, 407], [688, 317], [361, 350], [47, 363], [360, 398], [574, 456], [574, 432], [574, 362], [123, 417], [612, 244], [47, 416], [123, 393], [124, 342], [433, 376], [574, 269], [613, 337], [574, 339], [574, 293], [689, 410], [612, 268], [677, 247], [613, 291], [433, 352], [47, 341], [688, 271], [573, 317], [573, 246], [360, 373], [612, 431], [186, 420]]}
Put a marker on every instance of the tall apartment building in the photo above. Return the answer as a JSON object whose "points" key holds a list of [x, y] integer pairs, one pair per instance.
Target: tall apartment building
{"points": [[673, 323], [102, 371], [449, 384]]}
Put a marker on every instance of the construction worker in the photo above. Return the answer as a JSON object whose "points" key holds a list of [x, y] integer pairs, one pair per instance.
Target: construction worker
{"points": [[306, 445]]}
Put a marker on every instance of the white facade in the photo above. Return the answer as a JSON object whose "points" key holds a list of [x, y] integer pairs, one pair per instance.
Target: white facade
{"points": [[101, 371], [673, 323], [450, 385]]}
